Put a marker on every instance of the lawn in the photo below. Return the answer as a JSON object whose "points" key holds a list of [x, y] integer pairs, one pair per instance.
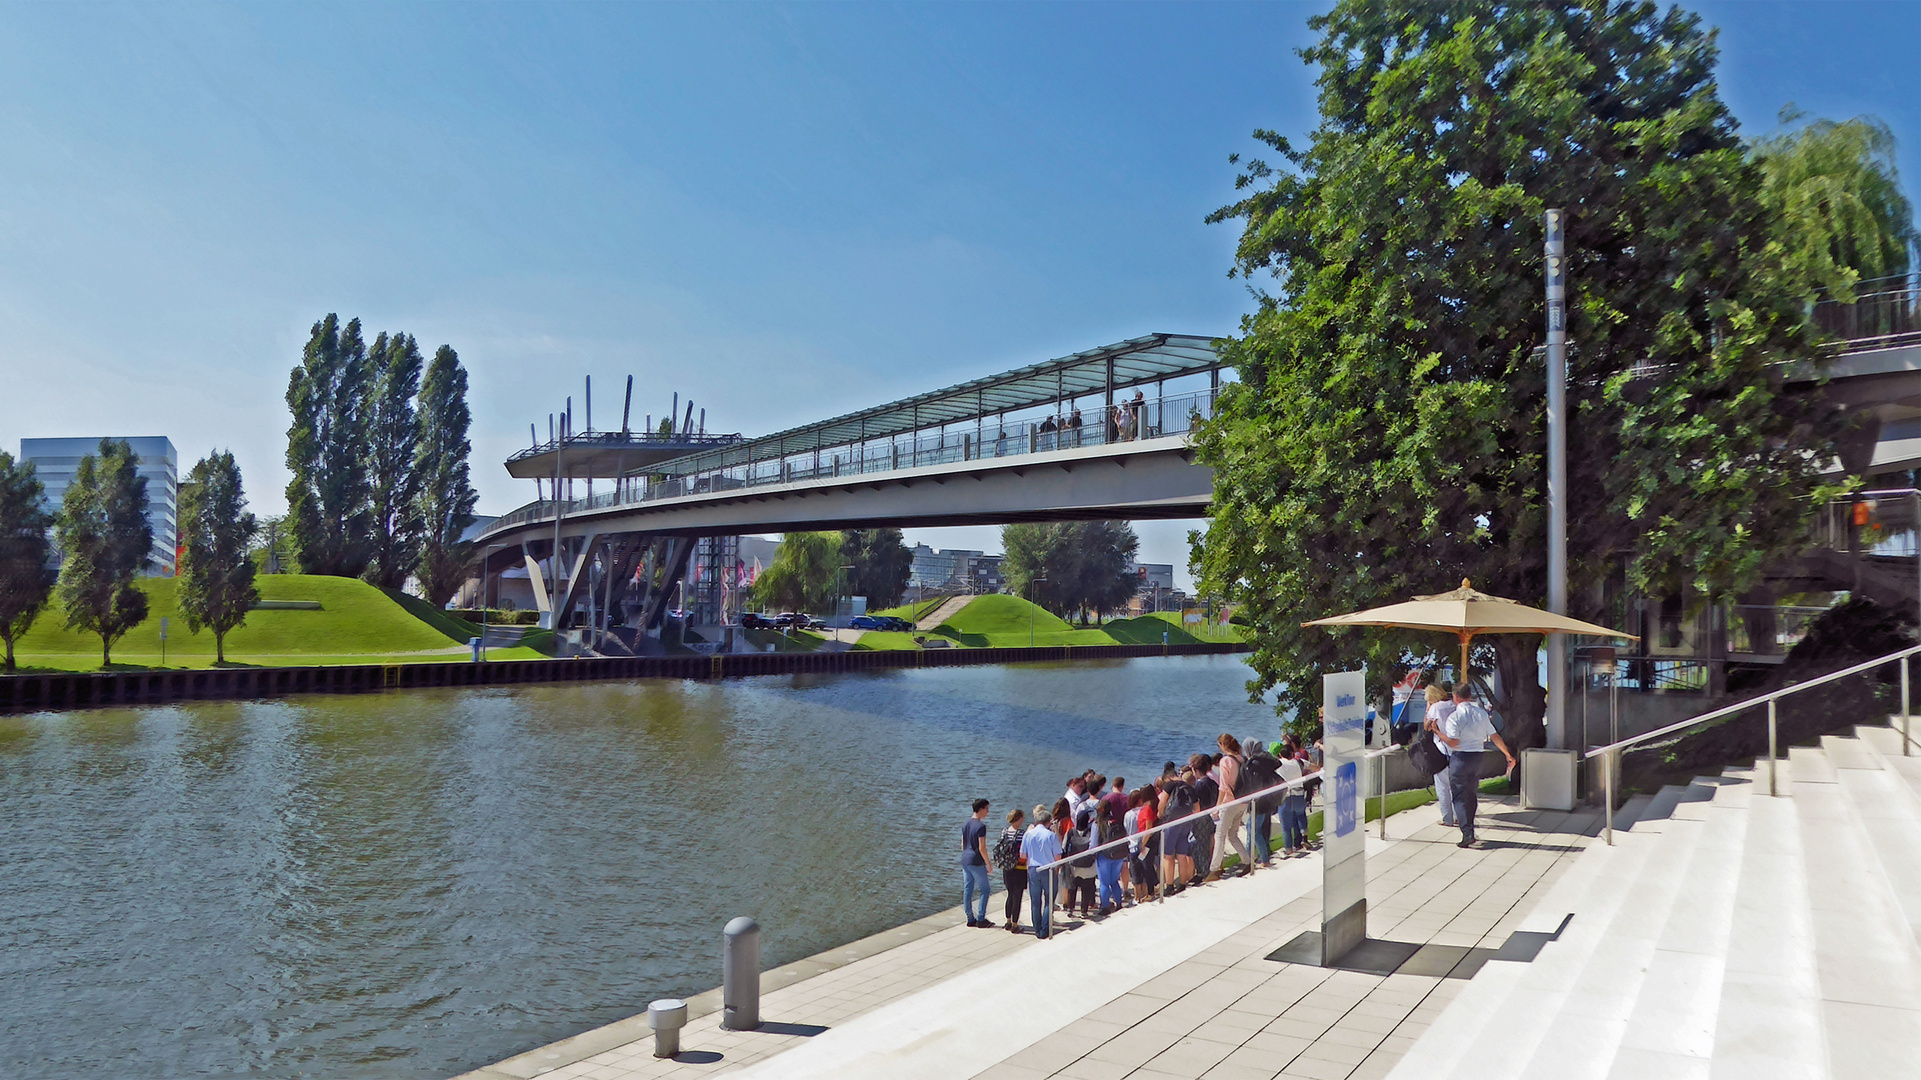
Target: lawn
{"points": [[355, 624], [1003, 621]]}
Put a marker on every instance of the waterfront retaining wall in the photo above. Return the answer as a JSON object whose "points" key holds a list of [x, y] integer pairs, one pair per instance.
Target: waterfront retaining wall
{"points": [[72, 690]]}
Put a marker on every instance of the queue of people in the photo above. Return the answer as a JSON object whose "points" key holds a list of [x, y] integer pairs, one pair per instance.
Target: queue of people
{"points": [[1053, 856]]}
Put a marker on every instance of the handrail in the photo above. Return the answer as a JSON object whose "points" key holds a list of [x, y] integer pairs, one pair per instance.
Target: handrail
{"points": [[1213, 811], [1611, 752]]}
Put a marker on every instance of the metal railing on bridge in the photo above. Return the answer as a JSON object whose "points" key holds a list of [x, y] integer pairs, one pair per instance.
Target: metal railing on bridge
{"points": [[1885, 312], [1150, 418]]}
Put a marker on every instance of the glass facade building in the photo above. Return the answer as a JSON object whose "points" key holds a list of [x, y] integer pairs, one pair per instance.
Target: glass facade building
{"points": [[56, 460]]}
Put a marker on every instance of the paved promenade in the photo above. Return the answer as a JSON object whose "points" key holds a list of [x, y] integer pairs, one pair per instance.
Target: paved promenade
{"points": [[1180, 989]]}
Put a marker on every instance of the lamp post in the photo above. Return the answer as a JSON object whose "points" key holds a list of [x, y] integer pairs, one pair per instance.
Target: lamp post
{"points": [[1030, 615], [484, 556]]}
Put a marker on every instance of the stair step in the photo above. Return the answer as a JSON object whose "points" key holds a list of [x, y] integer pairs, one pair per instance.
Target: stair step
{"points": [[1581, 1039], [1846, 752], [1866, 959], [1544, 984], [1629, 812], [1889, 812], [1458, 1040], [1811, 766], [1768, 1020], [1671, 1031]]}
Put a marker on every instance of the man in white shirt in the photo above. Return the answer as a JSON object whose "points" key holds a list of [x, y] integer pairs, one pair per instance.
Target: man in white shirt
{"points": [[1042, 849], [1077, 796], [1466, 733]]}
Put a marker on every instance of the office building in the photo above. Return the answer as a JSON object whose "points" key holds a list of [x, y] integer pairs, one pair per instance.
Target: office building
{"points": [[56, 460]]}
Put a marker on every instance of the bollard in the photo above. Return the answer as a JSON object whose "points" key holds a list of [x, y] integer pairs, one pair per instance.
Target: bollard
{"points": [[666, 1016], [740, 975]]}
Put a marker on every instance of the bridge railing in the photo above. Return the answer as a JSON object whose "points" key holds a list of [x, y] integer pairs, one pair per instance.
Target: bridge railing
{"points": [[1148, 418], [1885, 312]]}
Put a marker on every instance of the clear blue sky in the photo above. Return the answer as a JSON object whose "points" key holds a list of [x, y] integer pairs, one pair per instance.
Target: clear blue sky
{"points": [[782, 211]]}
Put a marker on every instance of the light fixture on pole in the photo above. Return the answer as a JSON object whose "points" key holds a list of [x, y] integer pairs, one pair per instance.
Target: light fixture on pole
{"points": [[1557, 492]]}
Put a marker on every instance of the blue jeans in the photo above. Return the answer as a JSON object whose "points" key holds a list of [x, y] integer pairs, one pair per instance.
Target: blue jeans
{"points": [[1293, 822], [1264, 834], [1109, 873], [1040, 894], [976, 884]]}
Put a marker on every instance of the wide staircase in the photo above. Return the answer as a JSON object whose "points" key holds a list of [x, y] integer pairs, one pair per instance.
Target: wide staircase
{"points": [[1726, 933]]}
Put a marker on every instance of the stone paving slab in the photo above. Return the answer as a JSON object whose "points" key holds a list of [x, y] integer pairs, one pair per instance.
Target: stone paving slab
{"points": [[1179, 989]]}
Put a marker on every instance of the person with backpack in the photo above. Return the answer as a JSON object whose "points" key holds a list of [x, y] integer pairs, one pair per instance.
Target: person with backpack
{"points": [[1111, 828], [1440, 703], [1205, 781], [973, 862], [1233, 819], [1294, 804], [1042, 850], [1263, 772], [1176, 802], [1143, 851], [1082, 871], [1013, 866]]}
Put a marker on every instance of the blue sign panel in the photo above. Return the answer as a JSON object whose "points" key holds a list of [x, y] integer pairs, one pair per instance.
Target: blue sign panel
{"points": [[1347, 797]]}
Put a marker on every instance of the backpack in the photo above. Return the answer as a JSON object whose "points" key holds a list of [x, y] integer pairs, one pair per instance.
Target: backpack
{"points": [[1426, 754], [1180, 801], [1007, 850], [1111, 831], [1074, 851], [1263, 771]]}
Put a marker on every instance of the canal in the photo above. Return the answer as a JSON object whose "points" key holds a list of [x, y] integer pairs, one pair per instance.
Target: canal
{"points": [[411, 885]]}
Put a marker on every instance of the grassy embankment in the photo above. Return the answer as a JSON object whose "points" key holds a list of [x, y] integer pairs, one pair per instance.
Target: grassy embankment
{"points": [[355, 624], [1003, 621]]}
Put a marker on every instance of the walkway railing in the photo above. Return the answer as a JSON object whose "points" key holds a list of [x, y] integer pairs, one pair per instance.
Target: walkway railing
{"points": [[1148, 419], [1610, 754], [1885, 312]]}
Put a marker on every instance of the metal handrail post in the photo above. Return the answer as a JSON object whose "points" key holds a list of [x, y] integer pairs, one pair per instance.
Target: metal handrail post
{"points": [[1772, 788], [1383, 796], [1905, 751], [1607, 795]]}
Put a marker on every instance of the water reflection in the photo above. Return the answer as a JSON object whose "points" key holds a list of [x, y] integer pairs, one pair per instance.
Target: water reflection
{"points": [[410, 885]]}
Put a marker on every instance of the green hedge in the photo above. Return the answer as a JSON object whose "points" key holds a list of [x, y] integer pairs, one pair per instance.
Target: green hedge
{"points": [[496, 618]]}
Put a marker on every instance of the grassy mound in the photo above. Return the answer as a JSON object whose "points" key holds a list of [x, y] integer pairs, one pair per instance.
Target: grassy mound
{"points": [[356, 623]]}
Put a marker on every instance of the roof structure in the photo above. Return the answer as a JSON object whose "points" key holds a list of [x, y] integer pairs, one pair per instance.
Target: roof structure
{"points": [[607, 454], [1121, 366]]}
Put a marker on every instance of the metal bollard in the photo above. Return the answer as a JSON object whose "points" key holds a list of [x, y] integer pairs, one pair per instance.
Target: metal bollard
{"points": [[740, 975], [666, 1016]]}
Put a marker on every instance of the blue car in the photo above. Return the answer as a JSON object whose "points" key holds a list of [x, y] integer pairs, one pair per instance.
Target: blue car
{"points": [[865, 622]]}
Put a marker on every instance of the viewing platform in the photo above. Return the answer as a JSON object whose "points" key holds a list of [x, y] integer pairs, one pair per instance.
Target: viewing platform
{"points": [[1725, 933]]}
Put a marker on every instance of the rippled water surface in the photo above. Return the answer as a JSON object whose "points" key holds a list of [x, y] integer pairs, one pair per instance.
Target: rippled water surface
{"points": [[411, 885]]}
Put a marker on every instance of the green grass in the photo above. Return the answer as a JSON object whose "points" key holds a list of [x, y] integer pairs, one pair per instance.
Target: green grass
{"points": [[356, 624], [913, 612], [883, 640], [1397, 801], [793, 641]]}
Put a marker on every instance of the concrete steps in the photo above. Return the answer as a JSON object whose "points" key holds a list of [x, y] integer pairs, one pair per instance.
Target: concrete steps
{"points": [[1726, 934]]}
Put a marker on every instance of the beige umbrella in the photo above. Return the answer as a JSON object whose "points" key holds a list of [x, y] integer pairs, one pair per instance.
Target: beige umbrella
{"points": [[1466, 612]]}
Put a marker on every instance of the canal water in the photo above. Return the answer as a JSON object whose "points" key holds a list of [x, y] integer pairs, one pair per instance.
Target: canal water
{"points": [[415, 884]]}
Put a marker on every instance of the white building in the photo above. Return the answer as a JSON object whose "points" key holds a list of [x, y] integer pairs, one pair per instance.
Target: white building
{"points": [[940, 569], [56, 460]]}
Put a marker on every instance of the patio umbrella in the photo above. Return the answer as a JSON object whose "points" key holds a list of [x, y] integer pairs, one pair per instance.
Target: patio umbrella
{"points": [[1466, 612]]}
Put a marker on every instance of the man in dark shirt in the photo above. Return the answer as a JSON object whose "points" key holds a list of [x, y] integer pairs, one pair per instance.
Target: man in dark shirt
{"points": [[1207, 792], [974, 865]]}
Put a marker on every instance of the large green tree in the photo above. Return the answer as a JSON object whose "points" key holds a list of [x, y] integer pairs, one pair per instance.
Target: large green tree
{"points": [[805, 575], [216, 575], [1836, 197], [392, 447], [328, 503], [882, 564], [26, 564], [1386, 437], [105, 542], [446, 492], [1071, 566]]}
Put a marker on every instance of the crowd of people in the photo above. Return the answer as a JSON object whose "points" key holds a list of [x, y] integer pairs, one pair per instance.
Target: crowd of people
{"points": [[1056, 856]]}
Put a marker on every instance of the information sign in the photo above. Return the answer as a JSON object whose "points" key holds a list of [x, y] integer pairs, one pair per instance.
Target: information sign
{"points": [[1343, 849]]}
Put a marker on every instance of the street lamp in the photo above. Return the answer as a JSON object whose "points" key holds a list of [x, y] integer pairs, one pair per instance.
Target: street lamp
{"points": [[1031, 582], [484, 556]]}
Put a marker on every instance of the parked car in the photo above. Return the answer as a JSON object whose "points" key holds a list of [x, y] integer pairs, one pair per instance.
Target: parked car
{"points": [[815, 622], [751, 620], [895, 622], [790, 618], [865, 622]]}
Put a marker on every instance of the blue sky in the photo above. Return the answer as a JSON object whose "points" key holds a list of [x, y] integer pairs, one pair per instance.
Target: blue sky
{"points": [[783, 211]]}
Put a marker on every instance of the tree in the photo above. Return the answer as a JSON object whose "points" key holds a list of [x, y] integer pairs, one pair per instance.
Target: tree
{"points": [[1836, 195], [105, 539], [273, 551], [805, 575], [392, 449], [1086, 564], [446, 494], [882, 564], [1386, 437], [328, 499], [26, 572], [217, 575]]}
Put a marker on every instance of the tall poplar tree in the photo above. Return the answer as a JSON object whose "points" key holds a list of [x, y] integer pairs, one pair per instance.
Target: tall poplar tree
{"points": [[328, 500], [26, 571], [106, 542], [217, 573], [1386, 437], [393, 444], [446, 492]]}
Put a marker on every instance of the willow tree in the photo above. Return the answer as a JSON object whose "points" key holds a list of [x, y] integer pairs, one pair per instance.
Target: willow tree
{"points": [[805, 574], [1837, 198], [1386, 437]]}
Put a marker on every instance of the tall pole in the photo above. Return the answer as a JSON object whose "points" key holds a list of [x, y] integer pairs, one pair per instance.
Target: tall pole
{"points": [[1557, 492]]}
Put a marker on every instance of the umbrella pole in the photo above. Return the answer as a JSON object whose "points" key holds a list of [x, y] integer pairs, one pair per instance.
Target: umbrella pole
{"points": [[1466, 638]]}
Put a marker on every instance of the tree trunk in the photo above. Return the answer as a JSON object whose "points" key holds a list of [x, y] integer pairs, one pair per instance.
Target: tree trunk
{"points": [[9, 642], [106, 653], [1524, 699], [219, 647]]}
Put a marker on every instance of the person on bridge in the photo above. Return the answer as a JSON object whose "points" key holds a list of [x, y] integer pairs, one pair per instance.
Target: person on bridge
{"points": [[1048, 427], [1466, 733], [1041, 850], [973, 862], [1074, 426]]}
